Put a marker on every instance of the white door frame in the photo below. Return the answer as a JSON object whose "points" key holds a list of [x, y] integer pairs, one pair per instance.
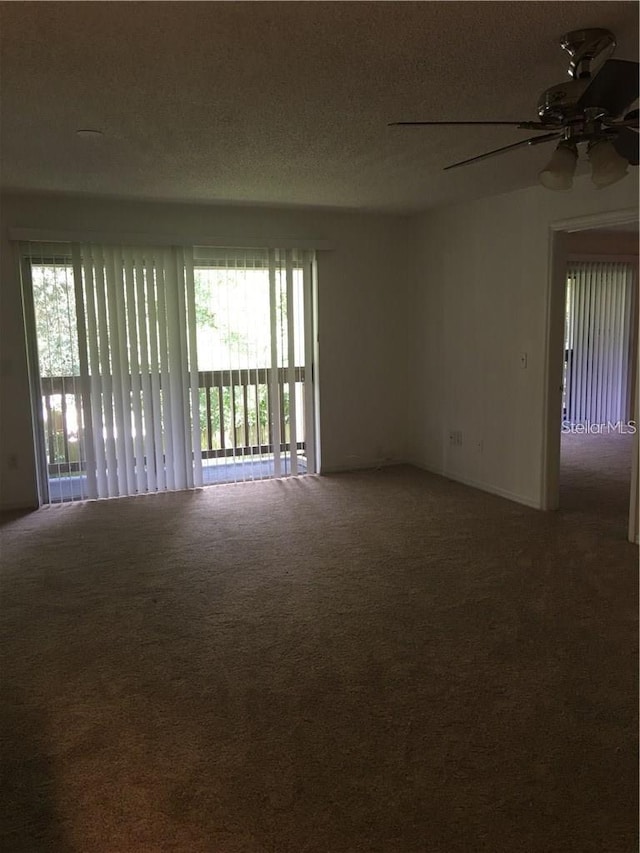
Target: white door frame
{"points": [[556, 290]]}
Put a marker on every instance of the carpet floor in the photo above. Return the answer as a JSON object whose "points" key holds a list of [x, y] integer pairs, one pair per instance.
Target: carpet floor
{"points": [[377, 661], [595, 480]]}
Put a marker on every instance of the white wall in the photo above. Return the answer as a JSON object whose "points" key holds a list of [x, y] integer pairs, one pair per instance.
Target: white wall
{"points": [[363, 404], [478, 288]]}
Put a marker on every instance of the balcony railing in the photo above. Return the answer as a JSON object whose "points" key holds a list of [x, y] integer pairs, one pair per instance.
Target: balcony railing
{"points": [[236, 416]]}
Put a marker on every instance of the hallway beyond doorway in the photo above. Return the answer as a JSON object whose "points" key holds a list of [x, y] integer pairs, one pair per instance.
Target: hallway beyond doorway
{"points": [[595, 475]]}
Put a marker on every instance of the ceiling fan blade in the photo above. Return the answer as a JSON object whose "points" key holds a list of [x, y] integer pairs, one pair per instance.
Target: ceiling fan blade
{"points": [[534, 140], [630, 120], [614, 88], [626, 144], [525, 125]]}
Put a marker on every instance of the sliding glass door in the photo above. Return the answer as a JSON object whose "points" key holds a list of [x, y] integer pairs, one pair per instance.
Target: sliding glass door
{"points": [[255, 351], [158, 368]]}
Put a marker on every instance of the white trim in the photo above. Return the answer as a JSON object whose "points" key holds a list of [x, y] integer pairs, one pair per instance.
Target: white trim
{"points": [[576, 257], [549, 475], [39, 235], [596, 220], [366, 465], [482, 487], [373, 465]]}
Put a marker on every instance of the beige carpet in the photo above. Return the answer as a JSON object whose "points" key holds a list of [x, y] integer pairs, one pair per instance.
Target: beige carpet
{"points": [[380, 661], [595, 479]]}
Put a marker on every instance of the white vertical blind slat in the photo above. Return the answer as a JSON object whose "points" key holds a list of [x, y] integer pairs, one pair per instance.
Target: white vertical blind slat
{"points": [[126, 457], [579, 413], [83, 357], [134, 367], [627, 313], [589, 353], [610, 286], [154, 368], [614, 298], [274, 385], [608, 350], [145, 384], [181, 357], [598, 344], [176, 386], [176, 361], [95, 374], [77, 382], [291, 359], [620, 352], [163, 344], [109, 424], [194, 457], [586, 353], [119, 404]]}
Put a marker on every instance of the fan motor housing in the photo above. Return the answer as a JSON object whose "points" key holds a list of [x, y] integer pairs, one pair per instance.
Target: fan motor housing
{"points": [[585, 47], [560, 102]]}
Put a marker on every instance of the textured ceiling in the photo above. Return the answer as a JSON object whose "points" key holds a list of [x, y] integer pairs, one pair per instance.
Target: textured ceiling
{"points": [[281, 103]]}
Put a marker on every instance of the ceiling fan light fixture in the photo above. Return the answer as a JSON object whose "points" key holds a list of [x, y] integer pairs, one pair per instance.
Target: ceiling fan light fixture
{"points": [[607, 166], [559, 171]]}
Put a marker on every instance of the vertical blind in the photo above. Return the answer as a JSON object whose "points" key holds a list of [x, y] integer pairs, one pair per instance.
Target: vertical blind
{"points": [[169, 367], [136, 335], [597, 341]]}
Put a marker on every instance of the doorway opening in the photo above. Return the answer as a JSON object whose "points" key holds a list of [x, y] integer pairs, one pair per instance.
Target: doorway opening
{"points": [[597, 419], [592, 439]]}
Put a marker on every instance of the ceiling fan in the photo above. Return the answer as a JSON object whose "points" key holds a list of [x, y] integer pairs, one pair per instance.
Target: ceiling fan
{"points": [[591, 108]]}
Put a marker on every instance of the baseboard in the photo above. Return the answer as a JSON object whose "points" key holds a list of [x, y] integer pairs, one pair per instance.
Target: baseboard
{"points": [[363, 465], [8, 511], [483, 487]]}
